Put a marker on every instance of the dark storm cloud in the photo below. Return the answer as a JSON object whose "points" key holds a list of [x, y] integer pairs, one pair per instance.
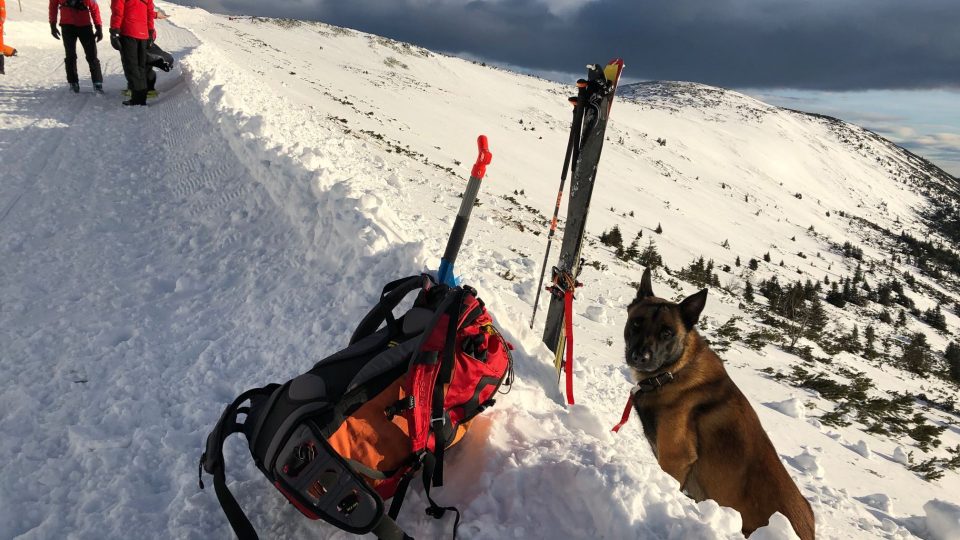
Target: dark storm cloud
{"points": [[814, 44]]}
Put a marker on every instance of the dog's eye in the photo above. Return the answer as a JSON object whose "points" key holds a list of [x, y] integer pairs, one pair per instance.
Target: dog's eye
{"points": [[636, 323], [666, 333]]}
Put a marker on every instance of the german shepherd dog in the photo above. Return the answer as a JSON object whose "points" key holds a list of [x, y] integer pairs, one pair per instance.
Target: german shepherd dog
{"points": [[702, 429]]}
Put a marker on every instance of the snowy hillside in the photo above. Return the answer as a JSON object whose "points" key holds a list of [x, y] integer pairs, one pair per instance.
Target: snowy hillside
{"points": [[154, 263]]}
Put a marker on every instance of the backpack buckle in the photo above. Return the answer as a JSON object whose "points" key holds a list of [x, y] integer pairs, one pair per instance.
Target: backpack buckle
{"points": [[399, 406]]}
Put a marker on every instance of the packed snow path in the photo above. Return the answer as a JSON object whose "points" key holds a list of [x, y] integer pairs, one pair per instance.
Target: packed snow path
{"points": [[140, 259], [156, 262]]}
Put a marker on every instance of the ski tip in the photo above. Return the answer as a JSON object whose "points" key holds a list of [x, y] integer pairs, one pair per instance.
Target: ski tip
{"points": [[613, 69]]}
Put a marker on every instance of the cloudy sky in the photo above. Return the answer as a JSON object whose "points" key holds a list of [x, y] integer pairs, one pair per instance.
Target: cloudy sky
{"points": [[889, 65]]}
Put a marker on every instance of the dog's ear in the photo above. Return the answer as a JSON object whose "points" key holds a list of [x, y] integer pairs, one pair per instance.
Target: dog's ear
{"points": [[646, 286], [691, 307]]}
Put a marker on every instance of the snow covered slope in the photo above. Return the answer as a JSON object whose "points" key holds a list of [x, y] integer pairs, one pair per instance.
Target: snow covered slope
{"points": [[154, 263]]}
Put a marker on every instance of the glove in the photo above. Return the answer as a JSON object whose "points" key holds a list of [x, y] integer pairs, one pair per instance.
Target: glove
{"points": [[153, 37], [99, 33], [53, 31], [115, 38]]}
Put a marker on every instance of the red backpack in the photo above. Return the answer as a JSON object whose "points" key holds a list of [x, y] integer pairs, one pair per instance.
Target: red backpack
{"points": [[356, 429]]}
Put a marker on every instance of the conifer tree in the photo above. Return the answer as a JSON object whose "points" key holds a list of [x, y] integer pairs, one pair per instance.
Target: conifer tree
{"points": [[870, 337], [916, 355], [835, 297], [632, 252], [952, 357], [612, 238], [818, 318], [649, 257]]}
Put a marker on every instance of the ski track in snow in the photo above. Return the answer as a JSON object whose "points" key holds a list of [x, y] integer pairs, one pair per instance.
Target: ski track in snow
{"points": [[156, 262]]}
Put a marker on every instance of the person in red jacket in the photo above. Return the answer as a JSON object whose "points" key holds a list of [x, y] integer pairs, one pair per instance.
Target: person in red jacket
{"points": [[156, 58], [79, 19], [132, 33]]}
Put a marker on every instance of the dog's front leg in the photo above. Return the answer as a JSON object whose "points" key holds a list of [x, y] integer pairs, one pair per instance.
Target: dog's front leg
{"points": [[676, 450]]}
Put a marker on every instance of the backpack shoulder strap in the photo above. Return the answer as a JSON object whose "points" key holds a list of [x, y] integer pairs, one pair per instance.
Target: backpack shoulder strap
{"points": [[393, 293], [212, 461]]}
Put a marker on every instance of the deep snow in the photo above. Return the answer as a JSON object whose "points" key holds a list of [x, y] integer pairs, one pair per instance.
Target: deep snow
{"points": [[154, 263]]}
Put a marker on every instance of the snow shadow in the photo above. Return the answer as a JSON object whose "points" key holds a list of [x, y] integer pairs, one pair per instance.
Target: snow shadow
{"points": [[530, 367]]}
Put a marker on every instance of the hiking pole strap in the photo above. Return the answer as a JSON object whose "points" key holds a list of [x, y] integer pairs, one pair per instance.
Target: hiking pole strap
{"points": [[388, 529]]}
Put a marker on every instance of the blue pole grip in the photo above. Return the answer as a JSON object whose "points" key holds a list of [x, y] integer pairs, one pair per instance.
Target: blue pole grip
{"points": [[445, 273]]}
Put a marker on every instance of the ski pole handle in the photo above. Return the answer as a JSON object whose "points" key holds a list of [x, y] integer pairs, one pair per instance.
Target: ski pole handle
{"points": [[445, 274], [483, 159]]}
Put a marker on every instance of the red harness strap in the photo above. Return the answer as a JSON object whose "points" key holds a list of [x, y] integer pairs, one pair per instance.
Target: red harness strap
{"points": [[568, 328], [626, 410]]}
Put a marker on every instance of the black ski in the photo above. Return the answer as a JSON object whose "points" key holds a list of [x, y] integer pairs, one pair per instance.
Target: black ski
{"points": [[598, 99]]}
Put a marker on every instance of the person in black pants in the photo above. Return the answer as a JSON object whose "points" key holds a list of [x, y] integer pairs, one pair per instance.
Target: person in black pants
{"points": [[79, 20], [132, 33], [88, 40]]}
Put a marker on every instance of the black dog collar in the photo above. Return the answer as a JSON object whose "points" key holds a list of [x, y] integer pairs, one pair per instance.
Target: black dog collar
{"points": [[654, 383]]}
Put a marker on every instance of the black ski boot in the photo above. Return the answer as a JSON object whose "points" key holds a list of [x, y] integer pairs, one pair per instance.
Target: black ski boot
{"points": [[98, 87], [137, 98], [75, 88], [2, 72]]}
